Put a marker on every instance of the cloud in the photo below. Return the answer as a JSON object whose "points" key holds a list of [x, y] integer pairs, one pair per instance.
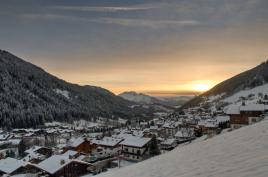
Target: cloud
{"points": [[109, 8], [146, 22], [128, 22]]}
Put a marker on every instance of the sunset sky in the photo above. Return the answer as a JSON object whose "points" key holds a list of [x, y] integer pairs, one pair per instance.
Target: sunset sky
{"points": [[164, 47]]}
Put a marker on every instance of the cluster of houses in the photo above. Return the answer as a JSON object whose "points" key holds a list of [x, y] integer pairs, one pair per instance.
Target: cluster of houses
{"points": [[246, 114], [77, 156], [61, 151]]}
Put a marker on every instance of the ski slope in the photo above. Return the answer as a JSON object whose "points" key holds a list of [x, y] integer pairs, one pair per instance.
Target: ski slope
{"points": [[240, 153]]}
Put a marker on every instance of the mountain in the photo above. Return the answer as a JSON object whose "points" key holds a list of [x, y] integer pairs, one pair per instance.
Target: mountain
{"points": [[247, 80], [29, 96], [239, 153], [171, 101], [139, 98], [175, 101]]}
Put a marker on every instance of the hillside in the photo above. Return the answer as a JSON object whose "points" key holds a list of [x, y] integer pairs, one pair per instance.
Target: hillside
{"points": [[168, 101], [246, 80], [139, 98], [239, 153], [29, 96]]}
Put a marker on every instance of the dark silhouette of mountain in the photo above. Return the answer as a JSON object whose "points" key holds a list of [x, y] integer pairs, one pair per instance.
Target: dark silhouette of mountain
{"points": [[29, 96], [139, 97], [246, 80]]}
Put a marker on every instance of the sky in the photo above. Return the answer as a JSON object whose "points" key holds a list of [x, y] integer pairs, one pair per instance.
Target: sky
{"points": [[168, 47]]}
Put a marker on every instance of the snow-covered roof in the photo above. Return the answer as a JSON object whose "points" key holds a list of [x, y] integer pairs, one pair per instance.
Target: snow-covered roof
{"points": [[54, 163], [233, 110], [184, 133], [253, 107], [14, 141], [74, 142], [10, 165], [33, 154], [108, 141], [33, 149], [4, 136], [220, 119], [135, 141], [70, 153], [169, 141], [171, 124], [153, 127]]}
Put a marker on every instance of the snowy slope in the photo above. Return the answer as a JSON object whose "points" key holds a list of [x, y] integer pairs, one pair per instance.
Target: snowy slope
{"points": [[243, 152], [263, 89]]}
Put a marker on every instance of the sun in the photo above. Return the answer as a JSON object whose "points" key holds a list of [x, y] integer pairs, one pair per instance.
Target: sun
{"points": [[201, 87]]}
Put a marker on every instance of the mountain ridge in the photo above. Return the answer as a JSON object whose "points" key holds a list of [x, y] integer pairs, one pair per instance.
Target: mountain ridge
{"points": [[251, 78], [30, 96]]}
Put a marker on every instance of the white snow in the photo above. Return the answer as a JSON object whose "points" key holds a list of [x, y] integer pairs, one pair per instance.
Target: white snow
{"points": [[233, 110], [221, 119], [135, 141], [74, 142], [245, 93], [108, 141], [54, 163], [169, 141], [9, 165], [64, 93], [253, 107], [240, 153], [70, 153]]}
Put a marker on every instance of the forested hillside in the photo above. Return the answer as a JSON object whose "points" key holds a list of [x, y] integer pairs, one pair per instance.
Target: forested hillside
{"points": [[29, 96]]}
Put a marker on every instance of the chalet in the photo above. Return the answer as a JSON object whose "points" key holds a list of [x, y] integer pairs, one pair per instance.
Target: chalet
{"points": [[245, 115], [170, 128], [10, 166], [184, 135], [107, 147], [208, 126], [135, 148], [159, 123], [59, 165], [80, 145], [37, 154], [168, 144]]}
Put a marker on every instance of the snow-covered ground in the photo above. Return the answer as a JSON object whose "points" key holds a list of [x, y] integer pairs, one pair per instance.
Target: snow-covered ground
{"points": [[64, 93], [240, 153], [263, 89]]}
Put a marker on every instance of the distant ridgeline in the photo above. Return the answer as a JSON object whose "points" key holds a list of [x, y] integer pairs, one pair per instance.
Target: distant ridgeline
{"points": [[29, 96], [246, 80]]}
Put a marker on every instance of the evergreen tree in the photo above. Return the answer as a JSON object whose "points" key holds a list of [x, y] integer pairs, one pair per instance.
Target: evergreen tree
{"points": [[153, 148], [22, 147]]}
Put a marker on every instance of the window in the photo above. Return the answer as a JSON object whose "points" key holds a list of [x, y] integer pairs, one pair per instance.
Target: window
{"points": [[138, 152]]}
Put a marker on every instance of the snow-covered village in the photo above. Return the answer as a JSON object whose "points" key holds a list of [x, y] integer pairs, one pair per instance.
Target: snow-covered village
{"points": [[133, 88], [89, 148]]}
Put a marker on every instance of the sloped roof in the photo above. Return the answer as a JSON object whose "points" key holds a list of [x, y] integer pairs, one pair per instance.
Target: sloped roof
{"points": [[54, 163], [10, 165], [135, 141], [108, 141]]}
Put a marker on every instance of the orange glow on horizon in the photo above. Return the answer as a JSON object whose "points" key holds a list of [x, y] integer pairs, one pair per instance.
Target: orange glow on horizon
{"points": [[202, 87]]}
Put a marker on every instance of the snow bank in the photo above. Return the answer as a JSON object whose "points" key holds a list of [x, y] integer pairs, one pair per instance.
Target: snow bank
{"points": [[240, 153]]}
